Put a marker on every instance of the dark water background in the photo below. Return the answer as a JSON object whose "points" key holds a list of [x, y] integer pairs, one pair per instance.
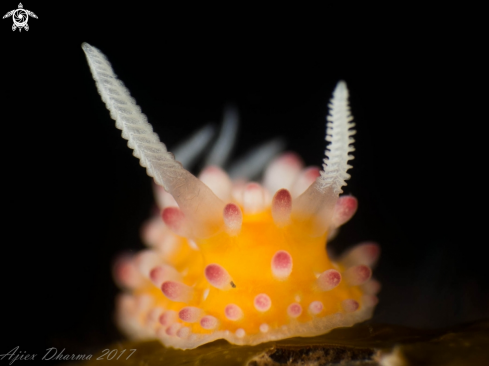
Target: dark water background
{"points": [[73, 195]]}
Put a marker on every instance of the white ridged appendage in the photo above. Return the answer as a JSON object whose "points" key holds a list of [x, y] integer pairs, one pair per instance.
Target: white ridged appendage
{"points": [[201, 207], [128, 117], [339, 135], [222, 148], [318, 201]]}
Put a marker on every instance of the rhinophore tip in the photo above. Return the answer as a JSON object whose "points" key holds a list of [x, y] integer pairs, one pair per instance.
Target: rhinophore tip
{"points": [[317, 203]]}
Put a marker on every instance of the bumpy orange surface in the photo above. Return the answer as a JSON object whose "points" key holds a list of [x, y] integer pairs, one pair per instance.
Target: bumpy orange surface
{"points": [[274, 300]]}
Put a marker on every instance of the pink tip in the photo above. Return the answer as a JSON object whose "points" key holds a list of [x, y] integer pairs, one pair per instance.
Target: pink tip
{"points": [[316, 307], [232, 217], [125, 271], [312, 173], [208, 322], [157, 275], [281, 206], [371, 253], [349, 305], [173, 329], [358, 275], [177, 291], [345, 208], [218, 276], [168, 318], [262, 302], [329, 279], [294, 310], [173, 218], [253, 198], [233, 312], [281, 265], [163, 273], [190, 314]]}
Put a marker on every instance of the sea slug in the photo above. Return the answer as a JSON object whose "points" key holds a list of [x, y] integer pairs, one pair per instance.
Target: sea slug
{"points": [[239, 260]]}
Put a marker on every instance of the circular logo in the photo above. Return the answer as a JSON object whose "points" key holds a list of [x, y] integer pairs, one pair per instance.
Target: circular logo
{"points": [[20, 17]]}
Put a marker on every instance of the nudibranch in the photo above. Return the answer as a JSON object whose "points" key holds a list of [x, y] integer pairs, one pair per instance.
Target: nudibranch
{"points": [[238, 260]]}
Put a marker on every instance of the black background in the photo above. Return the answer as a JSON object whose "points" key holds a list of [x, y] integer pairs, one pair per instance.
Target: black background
{"points": [[73, 195]]}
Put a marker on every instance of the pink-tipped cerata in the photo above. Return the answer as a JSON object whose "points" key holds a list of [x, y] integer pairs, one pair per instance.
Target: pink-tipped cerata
{"points": [[218, 277], [233, 312], [209, 322], [162, 273], [190, 314], [358, 275], [281, 265], [177, 291], [345, 208], [281, 207], [233, 218], [174, 218], [329, 279], [168, 317], [294, 310], [262, 302]]}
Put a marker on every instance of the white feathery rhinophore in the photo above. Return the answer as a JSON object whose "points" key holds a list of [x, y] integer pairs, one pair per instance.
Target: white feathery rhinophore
{"points": [[339, 135], [201, 207], [128, 117], [318, 201]]}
